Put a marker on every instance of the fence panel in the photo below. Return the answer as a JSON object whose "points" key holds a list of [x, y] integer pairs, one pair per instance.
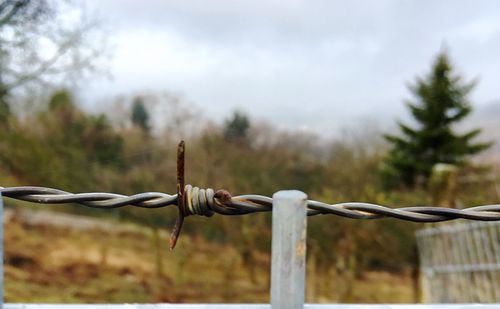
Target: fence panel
{"points": [[460, 262]]}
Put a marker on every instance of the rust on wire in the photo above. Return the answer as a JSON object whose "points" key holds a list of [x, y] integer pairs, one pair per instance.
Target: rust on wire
{"points": [[207, 202], [223, 196], [181, 202]]}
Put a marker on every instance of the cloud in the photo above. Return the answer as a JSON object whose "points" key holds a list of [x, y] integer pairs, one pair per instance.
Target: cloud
{"points": [[314, 64]]}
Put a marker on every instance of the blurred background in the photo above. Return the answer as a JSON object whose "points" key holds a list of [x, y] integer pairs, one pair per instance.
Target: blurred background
{"points": [[388, 102]]}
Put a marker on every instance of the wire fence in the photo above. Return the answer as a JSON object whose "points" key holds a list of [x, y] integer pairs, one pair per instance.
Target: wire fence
{"points": [[452, 256], [460, 263], [206, 202]]}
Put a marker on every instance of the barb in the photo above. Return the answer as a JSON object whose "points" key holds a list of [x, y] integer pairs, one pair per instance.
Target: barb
{"points": [[206, 202], [176, 231]]}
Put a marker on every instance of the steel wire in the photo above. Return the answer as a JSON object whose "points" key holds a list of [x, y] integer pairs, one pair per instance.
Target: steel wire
{"points": [[204, 202]]}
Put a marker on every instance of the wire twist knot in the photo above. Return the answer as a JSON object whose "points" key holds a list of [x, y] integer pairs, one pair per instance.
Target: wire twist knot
{"points": [[206, 202], [199, 201]]}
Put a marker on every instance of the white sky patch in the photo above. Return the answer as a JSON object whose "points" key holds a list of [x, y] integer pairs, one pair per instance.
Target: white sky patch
{"points": [[480, 31], [319, 65], [144, 55]]}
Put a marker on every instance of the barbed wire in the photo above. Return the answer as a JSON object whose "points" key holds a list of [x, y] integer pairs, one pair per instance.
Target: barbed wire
{"points": [[206, 202]]}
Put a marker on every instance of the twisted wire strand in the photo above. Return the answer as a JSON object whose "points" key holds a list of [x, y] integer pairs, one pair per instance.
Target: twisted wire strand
{"points": [[206, 202], [44, 195]]}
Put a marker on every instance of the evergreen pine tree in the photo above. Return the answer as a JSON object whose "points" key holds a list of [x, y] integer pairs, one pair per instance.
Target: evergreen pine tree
{"points": [[140, 115], [441, 100], [236, 128]]}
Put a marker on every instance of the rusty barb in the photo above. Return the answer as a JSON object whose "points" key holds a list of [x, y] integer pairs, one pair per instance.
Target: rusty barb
{"points": [[206, 202], [180, 196], [191, 200]]}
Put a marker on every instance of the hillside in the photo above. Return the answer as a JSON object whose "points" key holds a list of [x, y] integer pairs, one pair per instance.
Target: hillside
{"points": [[75, 259]]}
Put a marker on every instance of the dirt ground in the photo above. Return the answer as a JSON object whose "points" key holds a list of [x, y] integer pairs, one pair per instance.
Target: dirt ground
{"points": [[66, 260]]}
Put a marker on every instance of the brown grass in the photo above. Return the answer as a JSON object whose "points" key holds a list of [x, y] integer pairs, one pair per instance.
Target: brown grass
{"points": [[63, 265]]}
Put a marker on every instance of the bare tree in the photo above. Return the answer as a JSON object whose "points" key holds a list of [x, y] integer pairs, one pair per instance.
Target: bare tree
{"points": [[45, 43]]}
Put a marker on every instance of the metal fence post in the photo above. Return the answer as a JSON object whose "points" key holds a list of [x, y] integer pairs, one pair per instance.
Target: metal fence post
{"points": [[288, 250]]}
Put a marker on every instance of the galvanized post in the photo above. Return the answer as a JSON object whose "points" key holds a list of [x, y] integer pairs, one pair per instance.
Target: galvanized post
{"points": [[288, 250]]}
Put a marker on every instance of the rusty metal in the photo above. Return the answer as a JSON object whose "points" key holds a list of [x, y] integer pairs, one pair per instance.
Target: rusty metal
{"points": [[181, 202], [195, 201], [225, 204], [206, 202]]}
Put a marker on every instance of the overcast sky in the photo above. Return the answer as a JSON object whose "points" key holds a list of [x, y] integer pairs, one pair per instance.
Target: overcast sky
{"points": [[311, 65]]}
